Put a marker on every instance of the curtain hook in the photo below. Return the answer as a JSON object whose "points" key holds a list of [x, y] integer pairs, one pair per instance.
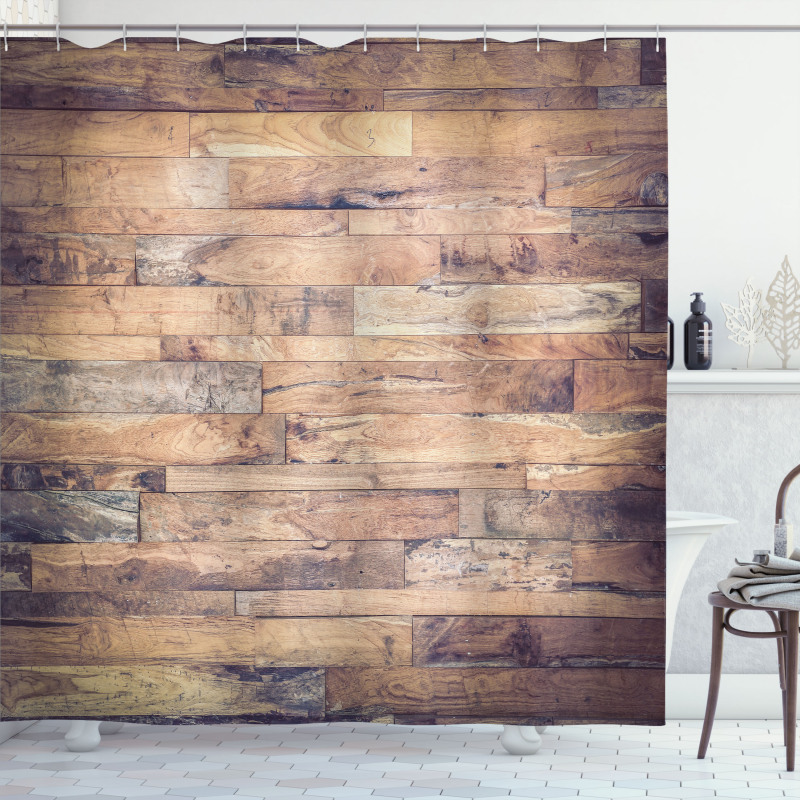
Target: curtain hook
{"points": [[297, 36], [58, 37], [244, 36], [5, 35], [418, 37], [124, 37], [365, 37], [657, 40], [178, 37], [537, 37], [605, 39], [484, 37]]}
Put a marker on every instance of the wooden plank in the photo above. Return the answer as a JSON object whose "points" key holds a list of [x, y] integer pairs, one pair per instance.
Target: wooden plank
{"points": [[366, 182], [485, 565], [310, 477], [654, 306], [454, 65], [286, 261], [147, 387], [547, 258], [417, 387], [537, 642], [144, 183], [654, 62], [632, 97], [542, 98], [114, 603], [606, 693], [475, 134], [143, 439], [162, 566], [621, 386], [463, 347], [316, 516], [168, 221], [574, 438], [82, 348], [15, 567], [574, 514], [543, 307], [419, 602], [70, 259], [48, 516], [135, 641], [146, 65], [37, 181], [651, 221], [629, 179], [371, 133], [347, 641], [434, 221], [179, 98], [549, 477], [82, 477], [94, 133], [626, 566], [648, 345], [182, 310], [194, 693]]}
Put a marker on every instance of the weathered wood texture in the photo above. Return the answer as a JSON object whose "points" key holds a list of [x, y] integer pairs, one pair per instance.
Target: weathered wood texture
{"points": [[333, 381]]}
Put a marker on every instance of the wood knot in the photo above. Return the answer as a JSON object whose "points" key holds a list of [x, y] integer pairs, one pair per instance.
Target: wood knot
{"points": [[319, 544]]}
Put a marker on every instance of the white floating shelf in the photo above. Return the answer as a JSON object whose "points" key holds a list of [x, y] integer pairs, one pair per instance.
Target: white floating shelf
{"points": [[733, 381]]}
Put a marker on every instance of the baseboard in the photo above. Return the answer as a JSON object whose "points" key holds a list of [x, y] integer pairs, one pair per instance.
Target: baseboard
{"points": [[740, 697], [9, 729]]}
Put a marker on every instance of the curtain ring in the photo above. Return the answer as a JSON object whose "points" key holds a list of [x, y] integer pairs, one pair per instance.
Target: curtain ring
{"points": [[244, 36], [5, 35], [365, 37], [658, 44], [124, 37], [297, 36], [178, 38], [537, 37], [484, 37], [605, 39], [418, 37], [58, 37]]}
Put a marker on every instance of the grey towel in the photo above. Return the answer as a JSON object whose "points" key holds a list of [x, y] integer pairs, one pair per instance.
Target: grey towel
{"points": [[775, 584]]}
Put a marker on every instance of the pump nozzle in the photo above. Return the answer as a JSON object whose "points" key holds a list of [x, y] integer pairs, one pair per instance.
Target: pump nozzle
{"points": [[697, 306]]}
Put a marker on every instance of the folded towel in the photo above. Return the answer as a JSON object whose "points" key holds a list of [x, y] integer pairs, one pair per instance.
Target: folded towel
{"points": [[775, 583]]}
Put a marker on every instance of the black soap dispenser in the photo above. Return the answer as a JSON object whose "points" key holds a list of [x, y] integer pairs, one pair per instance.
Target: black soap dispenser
{"points": [[697, 336]]}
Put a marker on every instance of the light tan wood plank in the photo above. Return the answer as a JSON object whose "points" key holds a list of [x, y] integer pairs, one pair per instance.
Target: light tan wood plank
{"points": [[177, 310], [287, 261], [316, 516], [94, 133], [308, 477], [544, 98], [575, 438], [143, 438], [544, 307], [81, 348], [37, 181], [549, 477], [428, 221], [651, 221], [337, 642], [82, 477], [376, 133], [621, 386], [648, 345], [527, 133]]}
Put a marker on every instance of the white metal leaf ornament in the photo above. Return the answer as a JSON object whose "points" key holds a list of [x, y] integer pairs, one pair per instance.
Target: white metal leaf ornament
{"points": [[783, 325], [747, 323]]}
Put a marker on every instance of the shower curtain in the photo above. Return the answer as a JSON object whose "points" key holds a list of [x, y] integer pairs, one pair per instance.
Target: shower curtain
{"points": [[334, 381]]}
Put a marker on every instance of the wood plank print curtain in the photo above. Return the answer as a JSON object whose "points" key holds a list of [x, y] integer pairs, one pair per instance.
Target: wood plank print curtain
{"points": [[334, 382]]}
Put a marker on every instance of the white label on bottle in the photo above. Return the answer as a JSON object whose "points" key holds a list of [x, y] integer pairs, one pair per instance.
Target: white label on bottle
{"points": [[704, 343]]}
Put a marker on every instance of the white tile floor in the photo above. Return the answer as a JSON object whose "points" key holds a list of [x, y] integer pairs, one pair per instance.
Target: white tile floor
{"points": [[348, 761]]}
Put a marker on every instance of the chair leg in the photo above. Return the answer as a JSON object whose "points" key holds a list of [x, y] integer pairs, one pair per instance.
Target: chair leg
{"points": [[717, 632], [781, 642], [790, 717]]}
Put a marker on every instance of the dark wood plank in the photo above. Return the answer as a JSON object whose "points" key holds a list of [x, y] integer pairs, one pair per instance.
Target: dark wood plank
{"points": [[115, 603], [549, 694], [82, 348], [147, 387], [287, 261], [574, 438], [632, 97], [316, 516], [652, 221], [626, 566], [143, 439], [38, 181], [460, 347], [82, 477], [15, 567], [417, 387], [309, 477], [68, 259], [136, 641], [654, 306], [549, 477], [365, 182], [575, 515], [48, 516], [627, 387], [547, 258], [181, 693], [611, 181], [454, 65], [543, 307], [544, 98], [163, 566], [537, 642], [647, 345], [654, 62], [154, 310], [476, 564]]}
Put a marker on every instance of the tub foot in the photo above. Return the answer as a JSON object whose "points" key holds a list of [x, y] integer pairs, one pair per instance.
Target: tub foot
{"points": [[110, 727], [82, 736], [521, 740]]}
